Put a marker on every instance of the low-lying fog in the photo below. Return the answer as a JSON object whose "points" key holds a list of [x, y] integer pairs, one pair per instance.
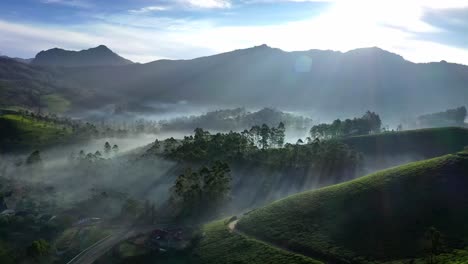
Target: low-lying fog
{"points": [[73, 180]]}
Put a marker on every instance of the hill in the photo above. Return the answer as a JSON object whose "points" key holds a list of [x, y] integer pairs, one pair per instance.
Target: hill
{"points": [[22, 60], [353, 82], [37, 88], [384, 216], [98, 56], [219, 245], [392, 148], [19, 132]]}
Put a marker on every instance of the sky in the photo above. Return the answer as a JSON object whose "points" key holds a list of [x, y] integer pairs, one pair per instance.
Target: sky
{"points": [[147, 30]]}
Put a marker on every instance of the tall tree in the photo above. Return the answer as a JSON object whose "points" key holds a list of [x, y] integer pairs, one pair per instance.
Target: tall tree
{"points": [[280, 134], [265, 135]]}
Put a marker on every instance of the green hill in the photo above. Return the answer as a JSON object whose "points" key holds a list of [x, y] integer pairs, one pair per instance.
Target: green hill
{"points": [[428, 143], [220, 245], [19, 132], [380, 217]]}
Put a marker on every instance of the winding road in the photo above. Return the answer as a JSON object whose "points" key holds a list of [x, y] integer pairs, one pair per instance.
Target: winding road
{"points": [[98, 249]]}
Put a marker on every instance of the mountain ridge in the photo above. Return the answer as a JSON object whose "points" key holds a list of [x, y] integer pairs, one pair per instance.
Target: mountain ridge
{"points": [[98, 56], [323, 81]]}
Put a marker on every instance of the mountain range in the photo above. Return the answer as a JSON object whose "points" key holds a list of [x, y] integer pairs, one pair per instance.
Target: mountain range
{"points": [[322, 81]]}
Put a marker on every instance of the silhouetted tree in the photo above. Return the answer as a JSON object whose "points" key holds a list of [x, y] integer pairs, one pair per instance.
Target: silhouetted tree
{"points": [[82, 155], [34, 158], [107, 148], [115, 149], [265, 135]]}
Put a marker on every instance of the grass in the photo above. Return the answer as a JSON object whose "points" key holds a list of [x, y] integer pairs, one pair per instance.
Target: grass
{"points": [[380, 217], [65, 240], [126, 250], [18, 131], [219, 245], [428, 143], [56, 103], [458, 256]]}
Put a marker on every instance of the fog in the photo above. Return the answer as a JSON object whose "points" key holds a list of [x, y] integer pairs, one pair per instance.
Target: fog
{"points": [[67, 182]]}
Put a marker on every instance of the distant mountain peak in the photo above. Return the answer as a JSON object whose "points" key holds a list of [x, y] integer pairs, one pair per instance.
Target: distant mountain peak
{"points": [[98, 56], [374, 51]]}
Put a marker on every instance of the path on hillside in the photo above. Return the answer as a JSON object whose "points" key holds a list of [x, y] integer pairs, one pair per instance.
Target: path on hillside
{"points": [[319, 257]]}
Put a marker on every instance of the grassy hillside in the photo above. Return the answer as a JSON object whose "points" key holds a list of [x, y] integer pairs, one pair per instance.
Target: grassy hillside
{"points": [[383, 216], [219, 245], [19, 131], [428, 143]]}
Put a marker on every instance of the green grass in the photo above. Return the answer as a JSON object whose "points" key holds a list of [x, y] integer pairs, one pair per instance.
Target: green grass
{"points": [[219, 246], [18, 131], [428, 143], [380, 217], [56, 103]]}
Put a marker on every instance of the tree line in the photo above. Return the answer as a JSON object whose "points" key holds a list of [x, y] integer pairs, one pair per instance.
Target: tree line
{"points": [[369, 123]]}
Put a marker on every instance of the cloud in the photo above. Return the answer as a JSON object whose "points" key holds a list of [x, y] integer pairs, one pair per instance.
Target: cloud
{"points": [[72, 3], [186, 4], [397, 26], [149, 9], [206, 3], [452, 25]]}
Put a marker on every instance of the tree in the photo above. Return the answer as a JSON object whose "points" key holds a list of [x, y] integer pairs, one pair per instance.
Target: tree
{"points": [[434, 239], [107, 148], [255, 134], [280, 134], [200, 134], [115, 149], [38, 248], [156, 144], [34, 158], [201, 192], [82, 155], [265, 136], [374, 123], [169, 144], [369, 123]]}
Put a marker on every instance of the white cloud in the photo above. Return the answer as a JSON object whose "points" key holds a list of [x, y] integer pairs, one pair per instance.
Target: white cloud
{"points": [[437, 4], [149, 9], [206, 3], [72, 3], [177, 4]]}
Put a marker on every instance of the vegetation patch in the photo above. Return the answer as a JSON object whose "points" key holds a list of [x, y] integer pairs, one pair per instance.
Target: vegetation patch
{"points": [[380, 217], [26, 131], [220, 245]]}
